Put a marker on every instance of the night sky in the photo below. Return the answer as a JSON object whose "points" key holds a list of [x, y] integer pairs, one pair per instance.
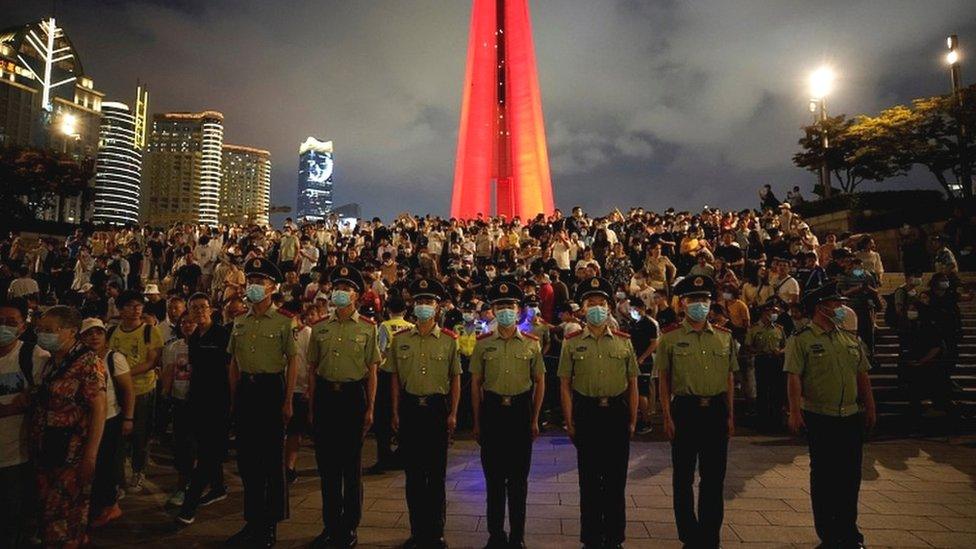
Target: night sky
{"points": [[656, 103]]}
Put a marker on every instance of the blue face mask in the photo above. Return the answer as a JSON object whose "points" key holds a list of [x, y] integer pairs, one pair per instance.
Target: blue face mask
{"points": [[698, 311], [468, 317], [506, 317], [7, 335], [255, 292], [635, 314], [858, 272], [840, 314], [424, 312], [49, 341], [597, 315], [341, 298]]}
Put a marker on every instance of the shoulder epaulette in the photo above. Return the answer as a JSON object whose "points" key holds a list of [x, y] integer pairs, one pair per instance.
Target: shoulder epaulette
{"points": [[531, 336], [800, 330], [368, 320], [402, 331], [485, 335], [319, 321], [621, 333], [450, 333], [285, 313], [574, 334], [670, 327], [722, 329]]}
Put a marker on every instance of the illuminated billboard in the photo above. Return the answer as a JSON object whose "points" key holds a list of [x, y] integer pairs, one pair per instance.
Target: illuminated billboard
{"points": [[315, 168]]}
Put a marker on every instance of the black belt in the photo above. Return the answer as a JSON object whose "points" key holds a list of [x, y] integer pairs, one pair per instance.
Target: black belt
{"points": [[423, 400], [700, 401], [255, 378], [600, 402], [338, 386], [506, 400]]}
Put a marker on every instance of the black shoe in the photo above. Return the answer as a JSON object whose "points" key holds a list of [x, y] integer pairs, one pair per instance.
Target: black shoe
{"points": [[375, 469], [213, 496], [185, 518], [291, 475], [270, 537], [244, 537], [351, 541], [322, 541], [516, 544], [411, 543], [497, 542]]}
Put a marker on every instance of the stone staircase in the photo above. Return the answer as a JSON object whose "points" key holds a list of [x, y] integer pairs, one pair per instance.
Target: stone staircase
{"points": [[892, 400]]}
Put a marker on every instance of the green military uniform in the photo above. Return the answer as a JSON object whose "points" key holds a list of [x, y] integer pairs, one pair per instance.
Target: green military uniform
{"points": [[697, 364], [343, 350], [541, 330], [828, 363], [261, 346], [425, 367], [765, 341], [508, 366], [600, 370]]}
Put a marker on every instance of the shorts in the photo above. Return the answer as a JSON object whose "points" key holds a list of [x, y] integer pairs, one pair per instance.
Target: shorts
{"points": [[298, 425], [644, 380]]}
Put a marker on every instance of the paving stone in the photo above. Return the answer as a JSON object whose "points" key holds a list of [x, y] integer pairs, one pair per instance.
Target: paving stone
{"points": [[781, 534], [949, 539]]}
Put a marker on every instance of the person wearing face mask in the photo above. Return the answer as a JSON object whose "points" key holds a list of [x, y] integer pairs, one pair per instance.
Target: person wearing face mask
{"points": [[342, 356], [67, 422], [507, 388], [426, 388], [860, 286], [922, 363], [598, 388], [764, 343], [263, 372], [386, 459], [830, 396], [696, 362]]}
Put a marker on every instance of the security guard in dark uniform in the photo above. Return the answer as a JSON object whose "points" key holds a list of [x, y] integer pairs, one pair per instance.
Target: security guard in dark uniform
{"points": [[598, 388], [426, 388], [342, 357], [695, 361], [507, 388], [263, 370], [765, 341], [830, 395]]}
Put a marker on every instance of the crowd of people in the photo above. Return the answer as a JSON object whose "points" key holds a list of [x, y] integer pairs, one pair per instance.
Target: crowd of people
{"points": [[111, 340]]}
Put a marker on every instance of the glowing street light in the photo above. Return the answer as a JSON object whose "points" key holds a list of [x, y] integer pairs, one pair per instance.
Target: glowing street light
{"points": [[955, 77], [821, 84], [69, 124]]}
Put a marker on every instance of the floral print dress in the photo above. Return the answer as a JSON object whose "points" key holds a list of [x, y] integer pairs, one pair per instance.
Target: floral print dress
{"points": [[64, 403]]}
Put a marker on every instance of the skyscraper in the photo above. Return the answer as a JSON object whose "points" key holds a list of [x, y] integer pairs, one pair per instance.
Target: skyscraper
{"points": [[118, 168], [502, 138], [182, 168], [315, 167], [245, 192]]}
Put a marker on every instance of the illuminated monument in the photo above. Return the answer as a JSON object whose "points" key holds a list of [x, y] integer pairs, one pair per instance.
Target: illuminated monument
{"points": [[502, 139], [315, 167]]}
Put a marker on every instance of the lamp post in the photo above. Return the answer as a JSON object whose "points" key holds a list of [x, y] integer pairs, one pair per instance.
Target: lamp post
{"points": [[965, 173], [821, 83], [68, 126]]}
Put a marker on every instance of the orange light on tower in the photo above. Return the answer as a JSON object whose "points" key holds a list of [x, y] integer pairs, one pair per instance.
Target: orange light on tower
{"points": [[502, 137]]}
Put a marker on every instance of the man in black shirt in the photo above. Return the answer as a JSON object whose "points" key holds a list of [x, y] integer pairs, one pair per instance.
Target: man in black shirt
{"points": [[209, 402], [188, 276], [730, 252], [643, 335]]}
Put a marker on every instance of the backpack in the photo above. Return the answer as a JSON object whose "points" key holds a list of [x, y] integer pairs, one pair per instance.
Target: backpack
{"points": [[26, 360], [110, 364]]}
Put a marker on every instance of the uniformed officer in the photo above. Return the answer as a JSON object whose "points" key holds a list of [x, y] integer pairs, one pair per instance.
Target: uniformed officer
{"points": [[426, 388], [507, 388], [695, 361], [764, 342], [386, 458], [342, 359], [830, 395], [598, 388], [263, 370]]}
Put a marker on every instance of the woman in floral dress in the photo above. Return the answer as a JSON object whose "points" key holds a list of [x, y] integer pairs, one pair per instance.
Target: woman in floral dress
{"points": [[66, 428]]}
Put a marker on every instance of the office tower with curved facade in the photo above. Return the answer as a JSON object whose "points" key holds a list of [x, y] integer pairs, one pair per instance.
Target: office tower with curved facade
{"points": [[118, 167]]}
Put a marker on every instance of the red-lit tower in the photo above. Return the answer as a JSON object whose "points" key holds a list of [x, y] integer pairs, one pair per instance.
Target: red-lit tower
{"points": [[502, 138]]}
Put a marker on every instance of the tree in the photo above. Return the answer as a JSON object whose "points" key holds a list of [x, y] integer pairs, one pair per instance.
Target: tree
{"points": [[31, 179]]}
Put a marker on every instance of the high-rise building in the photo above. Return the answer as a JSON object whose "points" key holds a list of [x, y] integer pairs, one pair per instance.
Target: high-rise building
{"points": [[315, 167], [245, 191], [502, 138], [118, 168], [181, 170]]}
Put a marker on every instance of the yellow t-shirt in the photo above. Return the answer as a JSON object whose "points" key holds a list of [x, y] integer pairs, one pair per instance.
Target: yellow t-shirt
{"points": [[135, 348]]}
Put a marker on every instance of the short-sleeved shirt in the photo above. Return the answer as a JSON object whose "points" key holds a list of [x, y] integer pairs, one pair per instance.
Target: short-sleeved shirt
{"points": [[134, 346], [119, 367], [13, 430], [262, 344], [343, 350], [828, 363], [598, 366], [542, 331], [508, 366], [765, 339], [208, 355], [425, 364], [699, 361]]}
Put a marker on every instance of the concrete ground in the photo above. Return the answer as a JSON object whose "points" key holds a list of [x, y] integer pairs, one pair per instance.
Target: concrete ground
{"points": [[916, 493]]}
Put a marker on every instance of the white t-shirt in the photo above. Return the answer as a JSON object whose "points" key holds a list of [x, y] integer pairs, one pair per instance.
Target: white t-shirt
{"points": [[13, 429], [561, 253], [177, 354], [301, 341], [307, 263], [121, 367]]}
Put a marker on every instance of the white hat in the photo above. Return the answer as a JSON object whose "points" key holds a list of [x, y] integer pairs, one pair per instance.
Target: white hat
{"points": [[151, 289], [90, 323]]}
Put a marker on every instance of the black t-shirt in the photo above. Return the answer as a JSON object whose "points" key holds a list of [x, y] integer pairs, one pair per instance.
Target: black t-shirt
{"points": [[209, 361], [642, 333], [729, 254], [189, 274]]}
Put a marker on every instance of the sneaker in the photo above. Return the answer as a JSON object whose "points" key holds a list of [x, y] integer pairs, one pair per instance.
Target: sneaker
{"points": [[107, 515], [185, 518], [213, 496], [135, 483], [176, 500]]}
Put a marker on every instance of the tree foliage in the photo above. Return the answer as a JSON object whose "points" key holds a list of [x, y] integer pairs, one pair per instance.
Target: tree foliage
{"points": [[32, 179]]}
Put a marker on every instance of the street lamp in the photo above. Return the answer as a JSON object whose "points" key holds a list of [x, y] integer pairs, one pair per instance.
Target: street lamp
{"points": [[821, 84], [68, 127], [955, 77]]}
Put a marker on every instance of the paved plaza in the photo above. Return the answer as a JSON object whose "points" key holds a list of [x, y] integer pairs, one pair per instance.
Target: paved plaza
{"points": [[916, 493]]}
